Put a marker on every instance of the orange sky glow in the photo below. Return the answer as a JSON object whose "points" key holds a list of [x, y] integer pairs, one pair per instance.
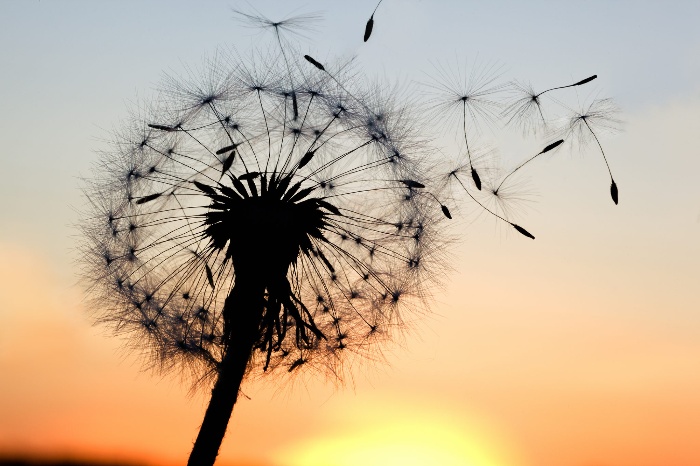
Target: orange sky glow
{"points": [[580, 348]]}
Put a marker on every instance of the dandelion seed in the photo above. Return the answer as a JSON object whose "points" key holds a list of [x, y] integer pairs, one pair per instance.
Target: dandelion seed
{"points": [[446, 211], [226, 164], [306, 159], [522, 231], [368, 28], [552, 146], [527, 109], [210, 276], [149, 198], [223, 150], [585, 124], [472, 96], [413, 184], [476, 178], [204, 188], [248, 176], [161, 127], [370, 23], [548, 148], [314, 62], [613, 191]]}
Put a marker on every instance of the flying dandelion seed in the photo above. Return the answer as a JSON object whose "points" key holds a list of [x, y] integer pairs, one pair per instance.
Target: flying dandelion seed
{"points": [[471, 98], [549, 147], [584, 125], [526, 109], [265, 219], [499, 198], [471, 95]]}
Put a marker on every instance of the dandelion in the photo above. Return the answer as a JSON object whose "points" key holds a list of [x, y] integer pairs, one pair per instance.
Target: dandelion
{"points": [[276, 215], [269, 219]]}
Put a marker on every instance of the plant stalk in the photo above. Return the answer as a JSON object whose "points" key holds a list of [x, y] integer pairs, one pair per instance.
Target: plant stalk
{"points": [[243, 311]]}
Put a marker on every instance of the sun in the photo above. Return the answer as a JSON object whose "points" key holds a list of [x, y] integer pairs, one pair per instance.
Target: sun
{"points": [[400, 442]]}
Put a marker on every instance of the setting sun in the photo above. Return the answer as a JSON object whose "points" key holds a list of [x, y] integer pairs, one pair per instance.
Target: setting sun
{"points": [[402, 439]]}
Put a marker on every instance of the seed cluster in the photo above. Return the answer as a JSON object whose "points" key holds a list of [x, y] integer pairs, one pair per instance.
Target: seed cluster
{"points": [[274, 168]]}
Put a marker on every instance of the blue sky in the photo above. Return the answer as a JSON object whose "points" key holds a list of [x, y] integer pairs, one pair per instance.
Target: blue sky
{"points": [[68, 70]]}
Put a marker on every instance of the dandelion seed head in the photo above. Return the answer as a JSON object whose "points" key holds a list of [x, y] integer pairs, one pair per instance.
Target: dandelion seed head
{"points": [[221, 181]]}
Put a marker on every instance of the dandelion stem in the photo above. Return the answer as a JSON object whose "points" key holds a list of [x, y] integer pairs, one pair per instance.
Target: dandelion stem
{"points": [[248, 294]]}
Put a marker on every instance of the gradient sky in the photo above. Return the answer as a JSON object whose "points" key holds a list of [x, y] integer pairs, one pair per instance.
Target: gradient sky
{"points": [[580, 348]]}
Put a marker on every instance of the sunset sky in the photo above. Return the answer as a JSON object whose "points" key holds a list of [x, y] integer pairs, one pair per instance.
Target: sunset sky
{"points": [[581, 348]]}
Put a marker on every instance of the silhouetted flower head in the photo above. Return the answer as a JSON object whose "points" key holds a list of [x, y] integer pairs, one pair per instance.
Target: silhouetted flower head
{"points": [[264, 168]]}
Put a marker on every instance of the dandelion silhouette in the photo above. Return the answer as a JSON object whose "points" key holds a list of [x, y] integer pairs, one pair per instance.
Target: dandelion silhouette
{"points": [[272, 218], [278, 215]]}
